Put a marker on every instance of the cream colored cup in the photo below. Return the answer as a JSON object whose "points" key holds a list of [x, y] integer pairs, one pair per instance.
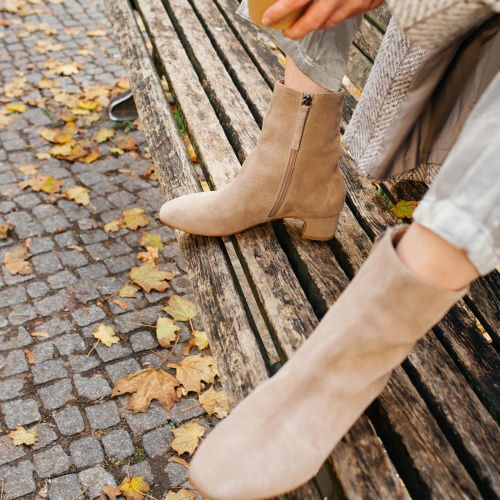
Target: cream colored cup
{"points": [[257, 8]]}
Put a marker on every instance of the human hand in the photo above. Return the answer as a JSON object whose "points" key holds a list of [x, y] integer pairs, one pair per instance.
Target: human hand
{"points": [[320, 14]]}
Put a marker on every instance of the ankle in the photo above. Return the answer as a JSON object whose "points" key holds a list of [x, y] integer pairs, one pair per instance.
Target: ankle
{"points": [[434, 260], [296, 80]]}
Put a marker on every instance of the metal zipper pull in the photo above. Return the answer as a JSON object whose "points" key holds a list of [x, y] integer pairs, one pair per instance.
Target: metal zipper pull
{"points": [[301, 122]]}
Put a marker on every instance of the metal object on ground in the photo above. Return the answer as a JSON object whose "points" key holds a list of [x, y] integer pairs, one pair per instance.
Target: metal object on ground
{"points": [[122, 107]]}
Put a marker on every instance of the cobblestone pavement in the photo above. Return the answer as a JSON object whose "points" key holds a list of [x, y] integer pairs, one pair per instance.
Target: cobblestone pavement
{"points": [[87, 439]]}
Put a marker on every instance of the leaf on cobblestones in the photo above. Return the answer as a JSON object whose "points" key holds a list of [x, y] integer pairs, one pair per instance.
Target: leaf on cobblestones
{"points": [[151, 240], [5, 121], [166, 331], [44, 46], [91, 118], [84, 52], [199, 339], [121, 303], [150, 254], [22, 436], [147, 385], [61, 150], [75, 247], [15, 88], [30, 356], [78, 194], [95, 33], [106, 335], [59, 136], [92, 156], [16, 108], [44, 335], [103, 135], [28, 169], [215, 403], [182, 494], [127, 143], [134, 218], [15, 261], [48, 185], [108, 492], [123, 83], [4, 231], [128, 291], [116, 151], [47, 83], [43, 156], [193, 370], [113, 226], [87, 105], [404, 209], [180, 309], [187, 438], [150, 173], [149, 277], [68, 69], [134, 489]]}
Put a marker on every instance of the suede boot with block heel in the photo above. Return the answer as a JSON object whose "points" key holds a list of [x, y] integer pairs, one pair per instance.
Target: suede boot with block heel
{"points": [[292, 173], [280, 435]]}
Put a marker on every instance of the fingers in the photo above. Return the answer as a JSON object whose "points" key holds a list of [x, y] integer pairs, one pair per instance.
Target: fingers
{"points": [[312, 19], [280, 9]]}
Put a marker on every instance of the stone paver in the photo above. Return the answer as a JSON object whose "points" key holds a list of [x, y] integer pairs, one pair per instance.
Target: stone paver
{"points": [[86, 437]]}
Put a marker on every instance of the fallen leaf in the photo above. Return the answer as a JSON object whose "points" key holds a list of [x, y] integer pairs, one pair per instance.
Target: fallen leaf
{"points": [[123, 83], [110, 492], [48, 185], [187, 438], [182, 494], [215, 403], [59, 136], [116, 151], [179, 460], [121, 303], [84, 52], [87, 105], [4, 231], [78, 194], [30, 356], [75, 247], [199, 339], [180, 309], [68, 69], [44, 46], [134, 489], [127, 143], [113, 226], [46, 83], [151, 240], [43, 156], [147, 385], [404, 209], [28, 169], [61, 150], [103, 135], [22, 436], [5, 121], [166, 331], [92, 156], [193, 370], [106, 335], [16, 108], [134, 218], [94, 33], [150, 173], [151, 254], [15, 261], [149, 277], [128, 291], [44, 335]]}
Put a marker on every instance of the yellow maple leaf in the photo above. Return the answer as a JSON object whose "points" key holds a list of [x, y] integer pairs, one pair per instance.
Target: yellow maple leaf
{"points": [[113, 226], [166, 331], [151, 240], [134, 218], [80, 195], [193, 370], [52, 185], [59, 136], [128, 291], [198, 339], [16, 108], [146, 385], [187, 438], [61, 150], [15, 262], [149, 277], [22, 436], [38, 183], [103, 135], [92, 156], [150, 254], [134, 489], [180, 309], [106, 335], [68, 69], [182, 494], [215, 403], [87, 105]]}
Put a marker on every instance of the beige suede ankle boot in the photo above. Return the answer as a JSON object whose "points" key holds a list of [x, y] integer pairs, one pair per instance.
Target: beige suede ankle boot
{"points": [[292, 173], [280, 435]]}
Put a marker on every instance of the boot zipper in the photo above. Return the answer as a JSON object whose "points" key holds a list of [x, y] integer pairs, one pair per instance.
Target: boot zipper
{"points": [[297, 137]]}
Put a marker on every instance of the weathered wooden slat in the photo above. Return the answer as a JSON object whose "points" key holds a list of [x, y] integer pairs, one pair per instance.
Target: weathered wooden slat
{"points": [[227, 326], [469, 427], [368, 39], [425, 459], [379, 17], [358, 68]]}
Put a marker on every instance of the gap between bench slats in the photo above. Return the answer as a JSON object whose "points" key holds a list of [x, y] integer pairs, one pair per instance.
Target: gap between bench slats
{"points": [[183, 14]]}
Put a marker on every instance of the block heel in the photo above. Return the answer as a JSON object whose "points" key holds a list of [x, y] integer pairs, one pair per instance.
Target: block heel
{"points": [[320, 229]]}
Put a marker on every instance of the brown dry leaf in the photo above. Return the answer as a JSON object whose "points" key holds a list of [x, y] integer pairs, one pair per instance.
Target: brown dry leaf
{"points": [[123, 83], [199, 339], [127, 143], [44, 46], [61, 150], [187, 438], [150, 173], [68, 69], [166, 331], [48, 185], [147, 385], [150, 254], [47, 83], [78, 194], [121, 303], [134, 218], [179, 460], [75, 247], [106, 335], [182, 494], [113, 226], [151, 240], [44, 335], [128, 291], [22, 436], [180, 309], [108, 492], [16, 108], [193, 370], [59, 136], [103, 135], [15, 261], [215, 403], [28, 169], [149, 277], [16, 87], [30, 356]]}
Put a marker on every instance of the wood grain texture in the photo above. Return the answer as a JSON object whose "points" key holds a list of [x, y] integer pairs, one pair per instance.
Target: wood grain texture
{"points": [[240, 362], [380, 17], [368, 39]]}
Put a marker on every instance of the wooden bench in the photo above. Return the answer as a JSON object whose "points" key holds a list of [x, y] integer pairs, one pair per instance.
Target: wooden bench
{"points": [[433, 433]]}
